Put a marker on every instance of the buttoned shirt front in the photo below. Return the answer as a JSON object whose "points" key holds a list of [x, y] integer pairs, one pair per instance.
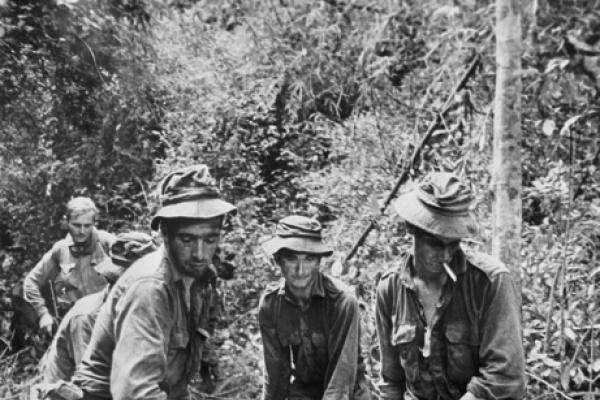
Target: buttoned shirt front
{"points": [[144, 345], [69, 270], [311, 351], [475, 342]]}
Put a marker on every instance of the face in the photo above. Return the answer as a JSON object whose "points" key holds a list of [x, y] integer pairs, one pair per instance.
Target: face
{"points": [[81, 226], [432, 251], [192, 245], [298, 269]]}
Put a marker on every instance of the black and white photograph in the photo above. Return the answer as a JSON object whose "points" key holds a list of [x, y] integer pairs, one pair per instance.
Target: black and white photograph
{"points": [[299, 199]]}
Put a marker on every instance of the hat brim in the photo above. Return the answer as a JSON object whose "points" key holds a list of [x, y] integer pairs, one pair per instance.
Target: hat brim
{"points": [[454, 226], [302, 245], [196, 209]]}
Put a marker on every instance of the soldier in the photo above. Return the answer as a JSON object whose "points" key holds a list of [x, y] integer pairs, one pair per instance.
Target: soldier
{"points": [[75, 329], [308, 323], [66, 273], [148, 338], [448, 320]]}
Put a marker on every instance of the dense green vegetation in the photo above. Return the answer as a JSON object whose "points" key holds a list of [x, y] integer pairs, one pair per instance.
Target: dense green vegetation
{"points": [[309, 107]]}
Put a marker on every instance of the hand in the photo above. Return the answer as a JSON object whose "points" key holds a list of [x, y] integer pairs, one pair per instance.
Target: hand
{"points": [[47, 323]]}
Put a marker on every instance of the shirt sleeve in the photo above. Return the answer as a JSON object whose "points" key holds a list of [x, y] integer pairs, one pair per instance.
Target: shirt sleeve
{"points": [[343, 346], [276, 357], [80, 332], [141, 325], [57, 362], [392, 383], [43, 271], [502, 364]]}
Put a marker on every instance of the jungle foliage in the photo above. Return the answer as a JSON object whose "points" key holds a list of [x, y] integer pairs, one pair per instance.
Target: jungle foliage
{"points": [[310, 107]]}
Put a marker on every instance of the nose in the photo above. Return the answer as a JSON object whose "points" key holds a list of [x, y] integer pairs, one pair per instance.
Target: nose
{"points": [[301, 268], [200, 250], [448, 253]]}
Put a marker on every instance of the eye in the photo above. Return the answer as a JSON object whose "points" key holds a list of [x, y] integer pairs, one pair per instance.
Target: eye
{"points": [[211, 240], [312, 258], [186, 238]]}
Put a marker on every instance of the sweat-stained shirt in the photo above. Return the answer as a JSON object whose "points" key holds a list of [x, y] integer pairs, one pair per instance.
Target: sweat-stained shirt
{"points": [[71, 338], [71, 271], [316, 349], [476, 344], [149, 334]]}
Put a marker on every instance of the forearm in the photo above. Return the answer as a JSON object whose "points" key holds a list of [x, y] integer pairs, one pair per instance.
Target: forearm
{"points": [[392, 383], [33, 283], [345, 353], [139, 362], [276, 358], [502, 363]]}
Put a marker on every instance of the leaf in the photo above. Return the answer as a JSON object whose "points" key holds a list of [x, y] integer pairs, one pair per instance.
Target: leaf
{"points": [[564, 131], [550, 362], [548, 127], [565, 378], [596, 366], [555, 63]]}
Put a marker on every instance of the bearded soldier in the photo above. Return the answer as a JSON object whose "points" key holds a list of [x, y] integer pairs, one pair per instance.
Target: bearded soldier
{"points": [[148, 338]]}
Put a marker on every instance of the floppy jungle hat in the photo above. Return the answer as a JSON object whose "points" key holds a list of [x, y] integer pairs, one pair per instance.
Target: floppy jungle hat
{"points": [[297, 233], [190, 193], [126, 249], [440, 204]]}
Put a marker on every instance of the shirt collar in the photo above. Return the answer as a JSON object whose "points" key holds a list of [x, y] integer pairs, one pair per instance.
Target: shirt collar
{"points": [[407, 273], [177, 275]]}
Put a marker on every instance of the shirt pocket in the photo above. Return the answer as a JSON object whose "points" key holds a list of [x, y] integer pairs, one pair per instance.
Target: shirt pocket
{"points": [[404, 339], [66, 286], [462, 352], [319, 342]]}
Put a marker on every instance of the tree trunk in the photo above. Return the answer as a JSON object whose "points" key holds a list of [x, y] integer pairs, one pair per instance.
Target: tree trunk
{"points": [[506, 163]]}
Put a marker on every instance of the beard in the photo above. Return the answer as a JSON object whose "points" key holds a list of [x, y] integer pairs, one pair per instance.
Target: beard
{"points": [[202, 272]]}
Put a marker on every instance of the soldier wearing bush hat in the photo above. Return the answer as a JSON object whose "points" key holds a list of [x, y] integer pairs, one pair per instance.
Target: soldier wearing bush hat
{"points": [[148, 339], [73, 334], [308, 322], [448, 320]]}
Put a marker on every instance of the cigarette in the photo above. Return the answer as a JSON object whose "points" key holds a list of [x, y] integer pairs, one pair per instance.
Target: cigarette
{"points": [[450, 273]]}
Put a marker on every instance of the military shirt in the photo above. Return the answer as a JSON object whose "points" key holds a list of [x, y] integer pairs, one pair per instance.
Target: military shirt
{"points": [[147, 340], [475, 344], [310, 353], [70, 271], [71, 338]]}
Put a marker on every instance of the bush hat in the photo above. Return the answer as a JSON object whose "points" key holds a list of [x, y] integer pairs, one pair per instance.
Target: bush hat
{"points": [[125, 250], [440, 204], [190, 193], [297, 233]]}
